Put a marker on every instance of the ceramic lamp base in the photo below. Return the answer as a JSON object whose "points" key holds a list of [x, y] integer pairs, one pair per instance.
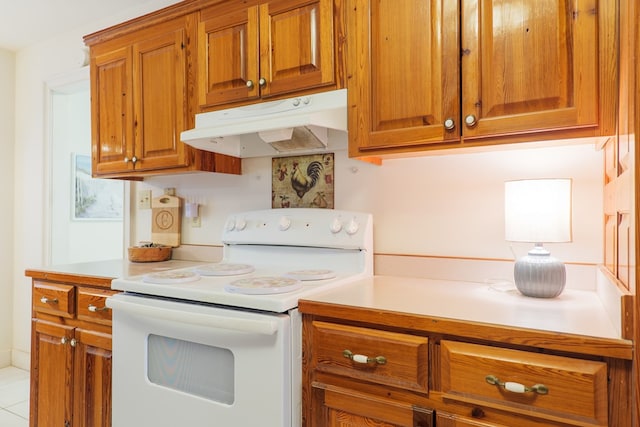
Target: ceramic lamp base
{"points": [[539, 275]]}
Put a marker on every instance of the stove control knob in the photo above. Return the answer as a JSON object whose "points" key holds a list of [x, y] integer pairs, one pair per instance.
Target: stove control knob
{"points": [[284, 223], [241, 224], [231, 224], [352, 227], [335, 226]]}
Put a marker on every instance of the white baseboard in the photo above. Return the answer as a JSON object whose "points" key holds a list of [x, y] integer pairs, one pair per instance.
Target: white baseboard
{"points": [[21, 359], [5, 358]]}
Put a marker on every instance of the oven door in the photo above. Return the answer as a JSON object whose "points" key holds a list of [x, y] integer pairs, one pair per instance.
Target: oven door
{"points": [[183, 364]]}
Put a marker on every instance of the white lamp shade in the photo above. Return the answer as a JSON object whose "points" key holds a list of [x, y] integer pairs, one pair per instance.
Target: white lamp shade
{"points": [[538, 210]]}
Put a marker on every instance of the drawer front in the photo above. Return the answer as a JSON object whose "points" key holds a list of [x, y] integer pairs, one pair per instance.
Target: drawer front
{"points": [[92, 305], [347, 407], [53, 298], [539, 385], [395, 359]]}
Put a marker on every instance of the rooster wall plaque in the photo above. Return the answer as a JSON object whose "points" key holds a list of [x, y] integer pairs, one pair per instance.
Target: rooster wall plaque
{"points": [[303, 181]]}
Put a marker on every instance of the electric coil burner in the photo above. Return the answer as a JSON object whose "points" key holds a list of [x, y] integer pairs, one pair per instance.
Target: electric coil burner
{"points": [[271, 258]]}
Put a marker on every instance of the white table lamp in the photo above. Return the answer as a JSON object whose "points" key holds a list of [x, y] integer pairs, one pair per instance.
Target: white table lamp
{"points": [[538, 211]]}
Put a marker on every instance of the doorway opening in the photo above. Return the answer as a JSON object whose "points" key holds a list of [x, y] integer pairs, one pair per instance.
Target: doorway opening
{"points": [[86, 215]]}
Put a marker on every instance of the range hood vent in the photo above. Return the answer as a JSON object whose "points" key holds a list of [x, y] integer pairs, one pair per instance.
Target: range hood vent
{"points": [[301, 125]]}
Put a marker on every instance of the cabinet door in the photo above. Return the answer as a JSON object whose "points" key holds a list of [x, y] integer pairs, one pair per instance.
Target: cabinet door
{"points": [[92, 394], [52, 379], [112, 110], [160, 100], [228, 54], [402, 73], [529, 66], [337, 407], [296, 45]]}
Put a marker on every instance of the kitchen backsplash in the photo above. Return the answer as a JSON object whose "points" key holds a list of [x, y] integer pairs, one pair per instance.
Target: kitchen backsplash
{"points": [[447, 206]]}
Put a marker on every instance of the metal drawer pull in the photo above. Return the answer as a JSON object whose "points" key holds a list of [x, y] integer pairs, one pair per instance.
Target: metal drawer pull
{"points": [[361, 358], [517, 387], [92, 308], [46, 300]]}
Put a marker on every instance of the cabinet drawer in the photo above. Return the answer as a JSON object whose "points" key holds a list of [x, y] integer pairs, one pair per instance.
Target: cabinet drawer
{"points": [[347, 407], [55, 299], [564, 389], [402, 359], [92, 305]]}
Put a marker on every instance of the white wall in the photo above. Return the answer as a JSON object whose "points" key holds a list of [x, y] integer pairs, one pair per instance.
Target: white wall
{"points": [[71, 136], [447, 205], [36, 65], [7, 99]]}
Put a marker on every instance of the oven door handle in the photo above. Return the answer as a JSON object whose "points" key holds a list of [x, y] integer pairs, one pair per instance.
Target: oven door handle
{"points": [[263, 327]]}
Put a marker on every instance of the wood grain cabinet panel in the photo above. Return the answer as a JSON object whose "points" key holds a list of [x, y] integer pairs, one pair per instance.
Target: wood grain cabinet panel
{"points": [[448, 377], [354, 409], [51, 402], [428, 75], [360, 377], [252, 50], [528, 66], [92, 305], [92, 385], [403, 73], [70, 353], [54, 298], [393, 359], [543, 386], [142, 97]]}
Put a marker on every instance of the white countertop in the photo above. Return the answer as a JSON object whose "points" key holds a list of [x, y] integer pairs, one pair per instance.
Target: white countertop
{"points": [[573, 312]]}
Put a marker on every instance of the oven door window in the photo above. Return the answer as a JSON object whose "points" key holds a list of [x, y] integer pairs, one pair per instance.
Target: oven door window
{"points": [[198, 369]]}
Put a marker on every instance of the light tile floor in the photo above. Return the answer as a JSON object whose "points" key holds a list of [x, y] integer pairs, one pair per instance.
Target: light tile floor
{"points": [[14, 397]]}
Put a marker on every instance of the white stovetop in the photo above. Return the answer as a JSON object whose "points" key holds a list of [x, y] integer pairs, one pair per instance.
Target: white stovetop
{"points": [[573, 312]]}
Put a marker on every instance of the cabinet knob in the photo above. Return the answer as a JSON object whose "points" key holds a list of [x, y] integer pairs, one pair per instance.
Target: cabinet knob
{"points": [[127, 160], [250, 84], [449, 124], [361, 358], [517, 387], [262, 82], [134, 159], [46, 300], [470, 120]]}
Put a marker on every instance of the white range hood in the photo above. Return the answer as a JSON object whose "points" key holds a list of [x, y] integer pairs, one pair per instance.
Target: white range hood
{"points": [[301, 125]]}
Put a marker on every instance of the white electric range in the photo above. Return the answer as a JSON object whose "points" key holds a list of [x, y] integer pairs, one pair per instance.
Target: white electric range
{"points": [[222, 341]]}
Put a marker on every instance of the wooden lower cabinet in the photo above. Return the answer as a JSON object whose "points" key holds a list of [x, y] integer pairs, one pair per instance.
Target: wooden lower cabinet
{"points": [[339, 407], [70, 354], [360, 374]]}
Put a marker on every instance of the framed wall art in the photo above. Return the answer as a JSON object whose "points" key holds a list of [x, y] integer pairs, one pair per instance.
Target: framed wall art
{"points": [[94, 199], [303, 181]]}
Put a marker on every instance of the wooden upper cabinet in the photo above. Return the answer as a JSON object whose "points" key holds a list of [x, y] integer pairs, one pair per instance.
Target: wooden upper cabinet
{"points": [[529, 66], [427, 74], [160, 98], [139, 100], [142, 98], [250, 50], [112, 110], [402, 69]]}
